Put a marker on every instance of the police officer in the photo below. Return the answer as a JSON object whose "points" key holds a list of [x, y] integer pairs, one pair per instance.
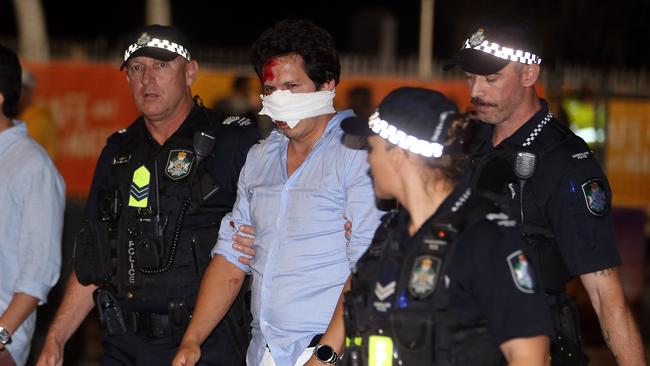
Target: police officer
{"points": [[558, 190], [158, 194], [446, 280]]}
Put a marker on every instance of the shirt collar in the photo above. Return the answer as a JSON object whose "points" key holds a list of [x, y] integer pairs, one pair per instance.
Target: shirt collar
{"points": [[188, 121], [19, 129], [455, 199], [483, 139], [524, 132]]}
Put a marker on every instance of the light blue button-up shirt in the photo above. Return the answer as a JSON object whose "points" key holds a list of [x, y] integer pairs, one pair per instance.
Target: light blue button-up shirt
{"points": [[302, 257], [32, 199]]}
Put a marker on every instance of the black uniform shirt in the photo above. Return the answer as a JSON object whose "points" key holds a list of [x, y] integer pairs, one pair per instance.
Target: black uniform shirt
{"points": [[488, 277], [232, 144], [491, 278], [569, 194]]}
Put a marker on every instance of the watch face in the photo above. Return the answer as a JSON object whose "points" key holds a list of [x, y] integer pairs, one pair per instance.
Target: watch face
{"points": [[4, 336], [324, 353]]}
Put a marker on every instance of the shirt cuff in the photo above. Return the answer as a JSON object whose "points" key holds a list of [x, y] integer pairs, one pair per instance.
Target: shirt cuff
{"points": [[231, 257], [33, 288]]}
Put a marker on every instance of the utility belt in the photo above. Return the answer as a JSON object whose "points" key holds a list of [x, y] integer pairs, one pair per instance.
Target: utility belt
{"points": [[117, 321], [149, 324]]}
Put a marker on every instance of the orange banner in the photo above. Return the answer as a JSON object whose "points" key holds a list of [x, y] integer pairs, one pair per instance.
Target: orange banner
{"points": [[628, 152], [88, 102]]}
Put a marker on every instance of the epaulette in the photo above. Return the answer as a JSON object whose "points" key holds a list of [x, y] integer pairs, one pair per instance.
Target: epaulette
{"points": [[122, 135], [117, 136], [237, 121], [501, 219]]}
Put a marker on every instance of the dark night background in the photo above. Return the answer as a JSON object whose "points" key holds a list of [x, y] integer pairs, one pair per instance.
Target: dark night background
{"points": [[599, 33]]}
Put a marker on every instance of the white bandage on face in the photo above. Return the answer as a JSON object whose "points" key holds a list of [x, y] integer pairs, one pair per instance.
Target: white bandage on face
{"points": [[283, 105]]}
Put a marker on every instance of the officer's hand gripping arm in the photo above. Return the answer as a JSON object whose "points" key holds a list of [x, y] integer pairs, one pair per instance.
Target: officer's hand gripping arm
{"points": [[244, 243]]}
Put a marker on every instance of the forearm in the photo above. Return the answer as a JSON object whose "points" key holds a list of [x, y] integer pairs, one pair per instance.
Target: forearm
{"points": [[335, 334], [622, 337], [77, 303], [531, 351], [621, 333], [19, 308], [616, 321], [219, 288]]}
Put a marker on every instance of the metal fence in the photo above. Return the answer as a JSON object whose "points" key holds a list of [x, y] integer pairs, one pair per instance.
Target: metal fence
{"points": [[559, 78]]}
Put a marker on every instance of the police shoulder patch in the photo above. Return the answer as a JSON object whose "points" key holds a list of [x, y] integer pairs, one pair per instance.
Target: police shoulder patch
{"points": [[595, 197], [521, 272], [179, 164], [424, 275]]}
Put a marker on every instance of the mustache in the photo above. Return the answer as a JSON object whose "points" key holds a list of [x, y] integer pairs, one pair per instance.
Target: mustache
{"points": [[480, 102]]}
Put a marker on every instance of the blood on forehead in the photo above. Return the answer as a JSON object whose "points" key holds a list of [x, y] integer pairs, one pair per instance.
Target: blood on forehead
{"points": [[268, 70]]}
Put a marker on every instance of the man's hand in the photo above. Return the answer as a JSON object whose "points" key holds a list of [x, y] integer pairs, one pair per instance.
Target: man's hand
{"points": [[51, 354], [348, 228], [244, 243], [188, 354]]}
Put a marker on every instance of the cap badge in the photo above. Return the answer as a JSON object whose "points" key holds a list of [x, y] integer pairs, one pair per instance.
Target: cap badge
{"points": [[143, 40], [477, 38]]}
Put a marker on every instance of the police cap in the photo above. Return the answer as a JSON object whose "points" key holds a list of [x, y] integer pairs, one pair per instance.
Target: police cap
{"points": [[493, 42], [161, 42], [415, 119]]}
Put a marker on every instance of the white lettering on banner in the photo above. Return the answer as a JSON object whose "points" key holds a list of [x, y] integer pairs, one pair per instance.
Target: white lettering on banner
{"points": [[69, 110], [80, 121]]}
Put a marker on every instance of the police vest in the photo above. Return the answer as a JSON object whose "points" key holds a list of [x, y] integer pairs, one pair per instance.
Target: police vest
{"points": [[159, 215], [406, 320]]}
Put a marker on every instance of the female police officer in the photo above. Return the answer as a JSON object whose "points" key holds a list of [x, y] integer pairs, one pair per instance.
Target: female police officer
{"points": [[446, 280]]}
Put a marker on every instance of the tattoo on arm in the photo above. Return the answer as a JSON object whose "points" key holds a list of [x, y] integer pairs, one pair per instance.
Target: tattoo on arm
{"points": [[607, 272]]}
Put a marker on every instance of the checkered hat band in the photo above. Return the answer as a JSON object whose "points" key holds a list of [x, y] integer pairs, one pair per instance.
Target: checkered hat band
{"points": [[400, 138], [505, 53], [159, 43]]}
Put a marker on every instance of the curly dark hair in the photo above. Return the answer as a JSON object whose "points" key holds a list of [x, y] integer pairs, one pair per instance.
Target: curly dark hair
{"points": [[295, 36], [10, 81], [463, 131]]}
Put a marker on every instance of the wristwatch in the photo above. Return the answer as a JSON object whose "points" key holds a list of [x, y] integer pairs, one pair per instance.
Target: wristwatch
{"points": [[5, 337], [325, 354]]}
